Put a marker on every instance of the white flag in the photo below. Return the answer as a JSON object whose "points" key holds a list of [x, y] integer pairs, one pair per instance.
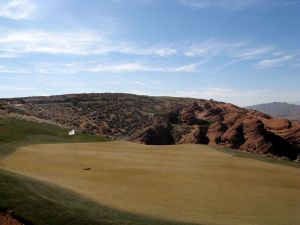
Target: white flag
{"points": [[72, 132]]}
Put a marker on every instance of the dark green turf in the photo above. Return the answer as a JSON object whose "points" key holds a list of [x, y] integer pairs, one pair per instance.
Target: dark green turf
{"points": [[15, 133], [261, 157], [47, 204]]}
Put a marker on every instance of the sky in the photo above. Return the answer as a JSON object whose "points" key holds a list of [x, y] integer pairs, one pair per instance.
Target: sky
{"points": [[239, 51]]}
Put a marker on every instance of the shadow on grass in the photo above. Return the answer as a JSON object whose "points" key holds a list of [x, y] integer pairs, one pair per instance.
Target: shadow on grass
{"points": [[44, 204], [260, 157]]}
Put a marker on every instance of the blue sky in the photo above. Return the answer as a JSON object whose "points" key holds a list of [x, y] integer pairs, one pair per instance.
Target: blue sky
{"points": [[239, 51]]}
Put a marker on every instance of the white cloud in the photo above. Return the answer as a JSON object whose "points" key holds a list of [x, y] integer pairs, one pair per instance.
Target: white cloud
{"points": [[190, 68], [228, 4], [82, 42], [73, 68], [86, 42], [17, 9], [128, 48], [69, 43], [268, 63], [252, 53], [232, 49], [240, 55], [212, 47], [89, 42]]}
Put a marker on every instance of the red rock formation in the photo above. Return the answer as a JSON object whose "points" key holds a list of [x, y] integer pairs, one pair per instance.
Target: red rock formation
{"points": [[165, 120], [156, 134], [230, 126]]}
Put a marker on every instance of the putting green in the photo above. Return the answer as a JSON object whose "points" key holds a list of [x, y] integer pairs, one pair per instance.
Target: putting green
{"points": [[191, 183]]}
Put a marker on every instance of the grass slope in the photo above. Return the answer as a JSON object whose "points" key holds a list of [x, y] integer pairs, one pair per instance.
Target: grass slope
{"points": [[15, 133], [190, 183], [47, 204], [44, 203]]}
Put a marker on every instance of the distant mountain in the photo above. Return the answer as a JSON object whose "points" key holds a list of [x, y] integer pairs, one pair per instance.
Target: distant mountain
{"points": [[294, 103], [279, 109]]}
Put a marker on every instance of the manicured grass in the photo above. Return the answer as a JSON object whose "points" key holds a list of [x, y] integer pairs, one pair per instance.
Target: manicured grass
{"points": [[189, 183], [44, 203]]}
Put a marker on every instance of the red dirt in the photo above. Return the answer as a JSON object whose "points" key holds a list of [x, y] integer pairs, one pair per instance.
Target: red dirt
{"points": [[7, 219]]}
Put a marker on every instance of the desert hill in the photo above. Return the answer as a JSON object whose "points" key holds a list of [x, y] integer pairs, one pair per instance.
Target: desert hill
{"points": [[279, 109], [163, 120]]}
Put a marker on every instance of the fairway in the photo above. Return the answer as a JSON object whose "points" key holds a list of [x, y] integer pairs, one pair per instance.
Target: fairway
{"points": [[188, 183]]}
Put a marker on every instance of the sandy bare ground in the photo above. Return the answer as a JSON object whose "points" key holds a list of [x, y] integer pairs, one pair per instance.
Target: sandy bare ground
{"points": [[192, 183]]}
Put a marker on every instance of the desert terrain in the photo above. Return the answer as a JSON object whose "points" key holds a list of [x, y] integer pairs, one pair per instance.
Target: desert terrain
{"points": [[163, 120]]}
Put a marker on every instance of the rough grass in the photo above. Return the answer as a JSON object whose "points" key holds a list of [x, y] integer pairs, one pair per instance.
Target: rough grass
{"points": [[265, 158]]}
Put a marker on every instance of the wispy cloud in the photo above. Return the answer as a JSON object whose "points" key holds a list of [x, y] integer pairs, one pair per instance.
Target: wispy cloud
{"points": [[268, 63], [240, 55], [89, 42], [73, 68], [232, 49], [212, 47], [69, 43], [252, 53], [98, 68], [82, 42], [17, 9]]}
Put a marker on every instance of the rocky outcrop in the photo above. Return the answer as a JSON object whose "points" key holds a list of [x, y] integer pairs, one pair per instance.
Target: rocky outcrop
{"points": [[229, 126], [196, 135], [156, 134]]}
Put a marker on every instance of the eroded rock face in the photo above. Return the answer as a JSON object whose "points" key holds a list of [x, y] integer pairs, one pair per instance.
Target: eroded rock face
{"points": [[227, 125], [278, 124], [233, 137], [156, 134], [216, 131], [255, 136], [196, 135]]}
